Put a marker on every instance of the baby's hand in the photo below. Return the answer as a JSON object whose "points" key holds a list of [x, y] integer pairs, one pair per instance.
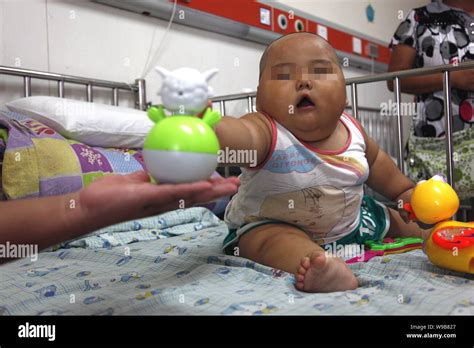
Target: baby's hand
{"points": [[405, 215], [402, 200]]}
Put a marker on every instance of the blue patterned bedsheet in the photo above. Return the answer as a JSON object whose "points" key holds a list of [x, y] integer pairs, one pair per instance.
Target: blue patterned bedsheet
{"points": [[173, 264]]}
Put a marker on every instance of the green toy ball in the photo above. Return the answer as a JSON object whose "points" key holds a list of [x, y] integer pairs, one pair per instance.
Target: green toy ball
{"points": [[181, 148]]}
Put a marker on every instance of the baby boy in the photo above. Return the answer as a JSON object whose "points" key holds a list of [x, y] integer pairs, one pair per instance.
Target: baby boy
{"points": [[313, 160]]}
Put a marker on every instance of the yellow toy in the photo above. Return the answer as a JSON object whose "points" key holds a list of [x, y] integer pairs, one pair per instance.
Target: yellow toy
{"points": [[451, 243]]}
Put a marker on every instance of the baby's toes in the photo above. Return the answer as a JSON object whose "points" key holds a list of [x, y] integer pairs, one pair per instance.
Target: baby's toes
{"points": [[300, 278], [318, 260], [302, 270], [305, 262]]}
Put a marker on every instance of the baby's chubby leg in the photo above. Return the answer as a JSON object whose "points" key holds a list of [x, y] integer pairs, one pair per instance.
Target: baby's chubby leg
{"points": [[288, 248]]}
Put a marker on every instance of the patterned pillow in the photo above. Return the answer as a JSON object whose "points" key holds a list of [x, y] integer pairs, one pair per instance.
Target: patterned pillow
{"points": [[37, 161]]}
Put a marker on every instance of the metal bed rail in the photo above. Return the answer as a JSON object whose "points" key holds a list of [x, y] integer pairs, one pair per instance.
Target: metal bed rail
{"points": [[137, 88], [395, 77], [377, 126], [380, 127]]}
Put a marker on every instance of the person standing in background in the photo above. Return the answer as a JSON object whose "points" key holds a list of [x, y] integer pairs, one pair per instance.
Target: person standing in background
{"points": [[439, 33]]}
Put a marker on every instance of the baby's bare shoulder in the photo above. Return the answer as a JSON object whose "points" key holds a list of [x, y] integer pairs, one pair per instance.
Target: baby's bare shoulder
{"points": [[260, 128], [259, 120]]}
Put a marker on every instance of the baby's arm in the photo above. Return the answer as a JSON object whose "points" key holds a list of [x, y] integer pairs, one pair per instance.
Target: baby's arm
{"points": [[250, 132], [384, 175], [388, 180], [48, 221]]}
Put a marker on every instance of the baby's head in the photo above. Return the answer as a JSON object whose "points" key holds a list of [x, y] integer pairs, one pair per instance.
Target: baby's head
{"points": [[302, 86]]}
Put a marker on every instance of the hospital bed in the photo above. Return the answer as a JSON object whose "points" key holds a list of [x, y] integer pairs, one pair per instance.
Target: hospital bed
{"points": [[173, 263]]}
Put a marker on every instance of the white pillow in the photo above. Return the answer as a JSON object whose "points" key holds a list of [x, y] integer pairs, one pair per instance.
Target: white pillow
{"points": [[89, 123]]}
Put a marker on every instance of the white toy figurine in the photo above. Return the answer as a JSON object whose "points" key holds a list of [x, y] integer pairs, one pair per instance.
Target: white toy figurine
{"points": [[182, 147], [185, 91]]}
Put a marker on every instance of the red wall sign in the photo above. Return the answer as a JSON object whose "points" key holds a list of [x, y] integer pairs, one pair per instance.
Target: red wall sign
{"points": [[250, 12]]}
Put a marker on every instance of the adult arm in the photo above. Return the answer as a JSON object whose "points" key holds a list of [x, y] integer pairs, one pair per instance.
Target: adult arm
{"points": [[50, 220], [403, 58]]}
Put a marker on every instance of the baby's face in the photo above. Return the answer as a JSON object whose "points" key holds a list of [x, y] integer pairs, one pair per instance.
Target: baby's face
{"points": [[302, 87]]}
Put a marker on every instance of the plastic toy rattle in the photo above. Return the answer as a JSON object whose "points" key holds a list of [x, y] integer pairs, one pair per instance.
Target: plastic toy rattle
{"points": [[388, 246], [451, 243], [182, 147]]}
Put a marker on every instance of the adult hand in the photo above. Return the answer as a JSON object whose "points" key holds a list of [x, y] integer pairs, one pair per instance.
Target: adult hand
{"points": [[106, 201], [116, 198]]}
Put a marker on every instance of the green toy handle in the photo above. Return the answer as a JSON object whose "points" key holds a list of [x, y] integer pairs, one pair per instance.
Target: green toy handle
{"points": [[398, 243], [211, 117], [156, 113]]}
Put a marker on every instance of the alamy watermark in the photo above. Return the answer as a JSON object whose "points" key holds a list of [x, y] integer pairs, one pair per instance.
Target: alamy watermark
{"points": [[231, 156], [74, 108], [37, 331], [14, 251], [390, 108], [345, 251]]}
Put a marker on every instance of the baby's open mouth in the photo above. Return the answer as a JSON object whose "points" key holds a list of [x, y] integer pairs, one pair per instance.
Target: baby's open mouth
{"points": [[305, 103]]}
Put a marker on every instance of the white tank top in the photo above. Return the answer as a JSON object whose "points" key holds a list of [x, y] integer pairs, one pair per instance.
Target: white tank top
{"points": [[316, 190]]}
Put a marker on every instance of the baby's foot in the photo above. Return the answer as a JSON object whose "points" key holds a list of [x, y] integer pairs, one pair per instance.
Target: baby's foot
{"points": [[319, 273]]}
